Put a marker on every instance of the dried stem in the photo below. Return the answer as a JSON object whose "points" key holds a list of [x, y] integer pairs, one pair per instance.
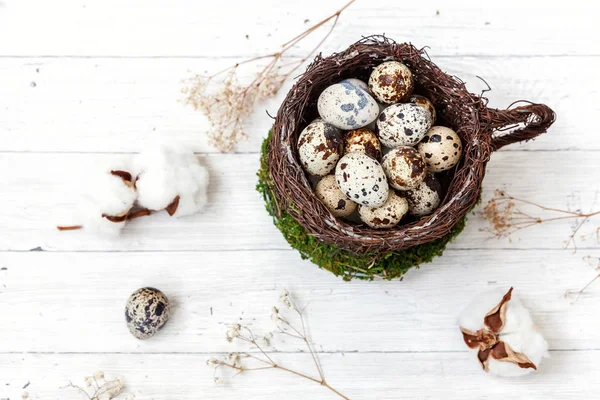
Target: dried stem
{"points": [[506, 218], [99, 388], [284, 326], [228, 107], [579, 292]]}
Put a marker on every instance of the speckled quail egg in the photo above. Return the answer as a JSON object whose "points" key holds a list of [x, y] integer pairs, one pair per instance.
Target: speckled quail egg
{"points": [[320, 147], [347, 106], [425, 103], [146, 312], [403, 125], [441, 149], [364, 141], [333, 198], [385, 216], [425, 198], [391, 82], [361, 179], [358, 83], [404, 168]]}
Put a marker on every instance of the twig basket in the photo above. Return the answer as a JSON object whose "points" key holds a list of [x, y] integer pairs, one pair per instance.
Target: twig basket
{"points": [[353, 250]]}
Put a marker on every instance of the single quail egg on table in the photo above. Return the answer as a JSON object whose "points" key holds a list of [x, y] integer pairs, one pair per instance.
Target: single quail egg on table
{"points": [[146, 312], [404, 168], [403, 125], [363, 140], [346, 105], [391, 82], [361, 179], [441, 149], [387, 215], [333, 198], [425, 103], [319, 147], [425, 198]]}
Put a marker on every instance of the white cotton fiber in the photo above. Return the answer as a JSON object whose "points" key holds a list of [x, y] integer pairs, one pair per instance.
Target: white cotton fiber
{"points": [[106, 194], [167, 170], [519, 331]]}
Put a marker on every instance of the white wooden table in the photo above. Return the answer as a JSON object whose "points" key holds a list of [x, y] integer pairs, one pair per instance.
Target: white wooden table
{"points": [[86, 82]]}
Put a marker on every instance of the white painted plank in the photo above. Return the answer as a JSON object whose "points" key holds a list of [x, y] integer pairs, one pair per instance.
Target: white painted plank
{"points": [[74, 302], [191, 28], [37, 195], [567, 375], [115, 105]]}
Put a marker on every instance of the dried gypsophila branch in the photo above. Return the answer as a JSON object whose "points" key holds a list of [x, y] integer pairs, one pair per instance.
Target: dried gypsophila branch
{"points": [[505, 217], [228, 107], [594, 262], [284, 326], [99, 388]]}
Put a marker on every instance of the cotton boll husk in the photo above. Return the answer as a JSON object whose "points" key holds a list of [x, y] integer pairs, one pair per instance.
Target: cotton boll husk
{"points": [[165, 171], [108, 194], [519, 331]]}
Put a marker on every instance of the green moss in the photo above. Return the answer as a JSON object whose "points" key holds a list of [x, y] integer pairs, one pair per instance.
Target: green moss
{"points": [[342, 262]]}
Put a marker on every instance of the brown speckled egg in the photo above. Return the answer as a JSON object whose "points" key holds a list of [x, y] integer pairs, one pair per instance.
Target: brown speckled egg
{"points": [[403, 125], [441, 149], [425, 103], [425, 198], [391, 82], [362, 179], [385, 216], [364, 141], [146, 312], [404, 168], [320, 147], [333, 198]]}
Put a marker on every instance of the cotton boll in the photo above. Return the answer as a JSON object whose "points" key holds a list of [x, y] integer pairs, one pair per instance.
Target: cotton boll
{"points": [[514, 345], [170, 177], [107, 198]]}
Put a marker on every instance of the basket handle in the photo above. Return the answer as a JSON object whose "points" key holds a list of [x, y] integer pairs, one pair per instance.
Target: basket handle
{"points": [[536, 118]]}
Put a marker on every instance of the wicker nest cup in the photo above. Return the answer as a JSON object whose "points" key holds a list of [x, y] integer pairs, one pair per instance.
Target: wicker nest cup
{"points": [[354, 250]]}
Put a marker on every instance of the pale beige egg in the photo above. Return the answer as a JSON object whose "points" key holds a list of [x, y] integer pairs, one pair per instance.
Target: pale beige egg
{"points": [[333, 198], [387, 215], [441, 149]]}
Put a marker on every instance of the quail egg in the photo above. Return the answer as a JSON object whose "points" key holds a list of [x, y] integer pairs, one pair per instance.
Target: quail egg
{"points": [[364, 141], [361, 179], [391, 82], [387, 215], [319, 147], [347, 105], [404, 168], [425, 103], [425, 198], [146, 312], [441, 149], [403, 125], [333, 198]]}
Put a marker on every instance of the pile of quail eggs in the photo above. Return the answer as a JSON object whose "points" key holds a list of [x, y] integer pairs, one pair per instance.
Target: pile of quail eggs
{"points": [[375, 148]]}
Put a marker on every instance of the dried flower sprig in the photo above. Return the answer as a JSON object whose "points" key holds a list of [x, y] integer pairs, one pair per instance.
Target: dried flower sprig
{"points": [[505, 216], [227, 103], [97, 387], [594, 262], [238, 362]]}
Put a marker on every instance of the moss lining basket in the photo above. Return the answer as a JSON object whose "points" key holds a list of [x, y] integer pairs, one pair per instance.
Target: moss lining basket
{"points": [[355, 250]]}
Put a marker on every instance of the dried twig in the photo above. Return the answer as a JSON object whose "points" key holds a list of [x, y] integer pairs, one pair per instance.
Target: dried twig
{"points": [[506, 218], [231, 103], [595, 262], [98, 388], [234, 361]]}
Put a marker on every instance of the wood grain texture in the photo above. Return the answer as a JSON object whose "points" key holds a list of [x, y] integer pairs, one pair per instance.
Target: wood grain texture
{"points": [[188, 28], [41, 192], [76, 301], [393, 376], [115, 105], [86, 84]]}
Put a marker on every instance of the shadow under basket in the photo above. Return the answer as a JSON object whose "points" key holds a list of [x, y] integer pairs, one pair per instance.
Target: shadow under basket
{"points": [[354, 250]]}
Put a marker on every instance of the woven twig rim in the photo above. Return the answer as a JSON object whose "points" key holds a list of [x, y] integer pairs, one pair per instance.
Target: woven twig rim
{"points": [[459, 109]]}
